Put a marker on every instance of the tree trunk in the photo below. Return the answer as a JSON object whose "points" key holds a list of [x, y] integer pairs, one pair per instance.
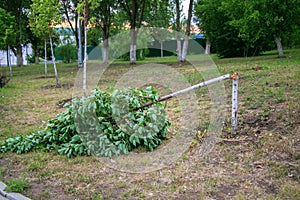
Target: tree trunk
{"points": [[20, 38], [105, 51], [19, 55], [207, 47], [279, 46], [179, 57], [79, 46], [187, 32], [36, 55], [133, 34], [8, 61], [45, 64], [53, 60], [185, 47], [178, 51], [85, 46], [161, 49]]}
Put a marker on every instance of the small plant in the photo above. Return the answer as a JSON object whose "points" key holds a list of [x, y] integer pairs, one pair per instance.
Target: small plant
{"points": [[16, 185]]}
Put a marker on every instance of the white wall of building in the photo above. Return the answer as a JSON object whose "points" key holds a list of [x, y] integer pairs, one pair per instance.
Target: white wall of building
{"points": [[27, 50]]}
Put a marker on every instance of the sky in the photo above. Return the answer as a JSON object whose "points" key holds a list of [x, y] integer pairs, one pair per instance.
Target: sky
{"points": [[185, 4]]}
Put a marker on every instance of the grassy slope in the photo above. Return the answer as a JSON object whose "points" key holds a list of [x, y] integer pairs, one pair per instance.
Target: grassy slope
{"points": [[261, 160]]}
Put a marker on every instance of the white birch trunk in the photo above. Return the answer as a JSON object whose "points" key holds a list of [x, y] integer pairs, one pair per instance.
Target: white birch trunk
{"points": [[133, 35], [185, 47], [84, 61], [53, 60], [105, 51], [178, 46], [79, 50], [279, 46], [45, 64], [207, 47], [132, 54], [161, 49], [183, 91], [234, 110]]}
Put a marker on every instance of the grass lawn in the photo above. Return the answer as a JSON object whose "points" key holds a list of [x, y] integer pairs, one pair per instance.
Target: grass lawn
{"points": [[259, 161]]}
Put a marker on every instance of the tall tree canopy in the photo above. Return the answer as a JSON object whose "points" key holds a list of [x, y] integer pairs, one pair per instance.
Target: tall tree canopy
{"points": [[18, 9], [263, 18], [247, 26], [225, 37], [8, 25], [44, 16]]}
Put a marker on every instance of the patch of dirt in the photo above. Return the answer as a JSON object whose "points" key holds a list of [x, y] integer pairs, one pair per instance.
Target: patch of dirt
{"points": [[44, 77], [47, 191], [67, 85], [4, 161]]}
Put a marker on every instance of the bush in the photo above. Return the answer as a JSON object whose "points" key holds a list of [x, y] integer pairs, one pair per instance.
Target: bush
{"points": [[67, 52]]}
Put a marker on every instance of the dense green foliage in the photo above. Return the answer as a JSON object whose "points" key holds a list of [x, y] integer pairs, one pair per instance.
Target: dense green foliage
{"points": [[223, 36], [246, 28], [8, 35], [67, 52], [102, 124]]}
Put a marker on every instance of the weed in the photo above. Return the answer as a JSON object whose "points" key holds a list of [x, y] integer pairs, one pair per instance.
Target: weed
{"points": [[290, 192], [16, 185]]}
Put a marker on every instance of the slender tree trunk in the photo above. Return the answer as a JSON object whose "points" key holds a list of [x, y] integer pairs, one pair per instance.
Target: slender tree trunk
{"points": [[187, 32], [207, 47], [178, 51], [8, 61], [133, 34], [79, 48], [105, 51], [36, 55], [53, 60], [279, 46], [45, 51], [19, 55], [85, 46], [161, 49], [185, 47], [19, 39]]}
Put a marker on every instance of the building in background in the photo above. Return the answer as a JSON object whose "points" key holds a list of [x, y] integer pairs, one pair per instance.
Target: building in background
{"points": [[27, 51]]}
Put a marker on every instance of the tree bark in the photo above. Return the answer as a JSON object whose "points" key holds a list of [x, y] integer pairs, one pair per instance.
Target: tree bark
{"points": [[207, 47], [36, 55], [53, 60], [133, 34], [85, 46], [19, 55], [178, 51], [105, 51], [105, 26], [161, 49], [20, 37], [45, 64], [8, 61], [187, 32], [185, 47], [279, 46], [79, 44]]}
